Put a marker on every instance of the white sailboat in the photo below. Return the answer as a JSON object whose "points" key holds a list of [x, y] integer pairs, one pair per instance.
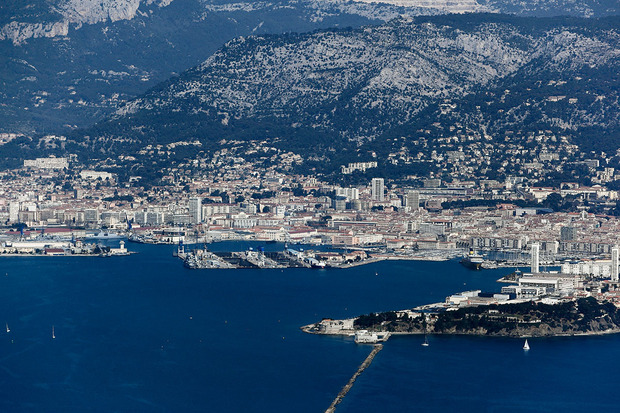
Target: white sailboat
{"points": [[53, 334], [526, 346], [425, 344], [8, 330]]}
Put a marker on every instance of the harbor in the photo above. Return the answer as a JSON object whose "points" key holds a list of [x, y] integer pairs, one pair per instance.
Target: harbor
{"points": [[280, 256], [259, 258], [205, 259]]}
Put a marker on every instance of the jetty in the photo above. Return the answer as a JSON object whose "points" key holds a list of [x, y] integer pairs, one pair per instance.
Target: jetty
{"points": [[332, 408]]}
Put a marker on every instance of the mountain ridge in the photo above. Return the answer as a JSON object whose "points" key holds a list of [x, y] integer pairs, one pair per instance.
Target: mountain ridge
{"points": [[71, 63], [335, 96], [318, 67]]}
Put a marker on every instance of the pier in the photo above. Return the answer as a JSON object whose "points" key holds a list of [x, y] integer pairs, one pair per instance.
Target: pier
{"points": [[332, 408]]}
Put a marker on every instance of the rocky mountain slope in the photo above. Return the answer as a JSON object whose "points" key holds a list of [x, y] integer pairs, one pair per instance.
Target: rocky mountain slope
{"points": [[23, 20], [52, 19], [355, 83], [394, 90], [69, 63], [547, 8]]}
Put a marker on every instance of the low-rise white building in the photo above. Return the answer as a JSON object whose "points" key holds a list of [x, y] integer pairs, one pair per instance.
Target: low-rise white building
{"points": [[595, 268], [329, 326], [524, 292], [47, 163], [94, 175], [551, 282]]}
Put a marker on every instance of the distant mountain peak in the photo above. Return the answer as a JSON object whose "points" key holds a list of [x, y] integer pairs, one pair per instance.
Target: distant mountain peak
{"points": [[73, 12], [448, 6]]}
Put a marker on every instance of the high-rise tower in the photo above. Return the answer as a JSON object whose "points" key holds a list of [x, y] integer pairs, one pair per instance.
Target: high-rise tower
{"points": [[615, 252], [195, 209], [535, 258], [377, 189], [413, 200]]}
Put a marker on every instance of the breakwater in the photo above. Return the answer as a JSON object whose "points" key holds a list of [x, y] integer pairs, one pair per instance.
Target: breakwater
{"points": [[332, 408]]}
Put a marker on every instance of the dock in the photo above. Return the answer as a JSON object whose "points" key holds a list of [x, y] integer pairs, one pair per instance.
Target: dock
{"points": [[332, 408], [204, 259]]}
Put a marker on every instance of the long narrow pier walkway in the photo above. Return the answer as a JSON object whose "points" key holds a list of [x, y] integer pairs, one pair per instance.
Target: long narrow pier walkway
{"points": [[349, 385]]}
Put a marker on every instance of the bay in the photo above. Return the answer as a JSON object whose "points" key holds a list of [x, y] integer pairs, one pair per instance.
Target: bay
{"points": [[143, 334]]}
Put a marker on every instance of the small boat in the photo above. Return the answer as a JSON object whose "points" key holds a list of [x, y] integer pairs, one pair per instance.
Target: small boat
{"points": [[8, 330], [53, 334], [425, 344], [526, 346]]}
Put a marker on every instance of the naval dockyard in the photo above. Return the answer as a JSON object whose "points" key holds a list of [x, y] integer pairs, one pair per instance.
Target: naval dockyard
{"points": [[202, 258]]}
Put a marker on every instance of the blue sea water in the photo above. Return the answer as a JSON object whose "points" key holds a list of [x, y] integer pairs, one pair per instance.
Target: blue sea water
{"points": [[143, 334]]}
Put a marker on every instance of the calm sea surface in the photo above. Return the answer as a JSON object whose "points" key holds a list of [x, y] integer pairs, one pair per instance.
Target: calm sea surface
{"points": [[143, 334]]}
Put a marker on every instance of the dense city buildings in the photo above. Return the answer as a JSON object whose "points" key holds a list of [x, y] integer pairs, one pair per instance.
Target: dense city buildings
{"points": [[233, 199]]}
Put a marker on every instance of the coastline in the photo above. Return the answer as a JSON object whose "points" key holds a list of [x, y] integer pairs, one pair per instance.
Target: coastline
{"points": [[570, 318], [307, 329]]}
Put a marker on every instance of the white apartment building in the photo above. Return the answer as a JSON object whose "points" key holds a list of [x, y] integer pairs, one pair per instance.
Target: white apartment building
{"points": [[195, 209], [378, 189]]}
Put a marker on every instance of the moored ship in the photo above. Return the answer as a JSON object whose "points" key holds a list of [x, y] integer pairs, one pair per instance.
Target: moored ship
{"points": [[472, 260], [104, 234]]}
